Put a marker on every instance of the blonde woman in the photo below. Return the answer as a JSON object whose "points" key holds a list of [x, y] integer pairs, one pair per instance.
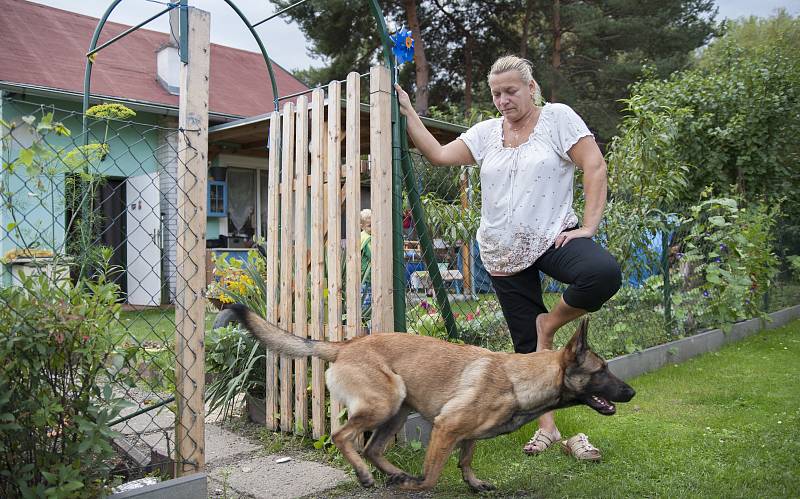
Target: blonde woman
{"points": [[527, 160]]}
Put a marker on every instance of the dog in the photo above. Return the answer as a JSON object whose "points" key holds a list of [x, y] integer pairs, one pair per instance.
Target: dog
{"points": [[467, 393]]}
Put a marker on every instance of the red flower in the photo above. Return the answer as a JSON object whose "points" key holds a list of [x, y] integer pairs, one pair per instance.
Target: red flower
{"points": [[470, 316]]}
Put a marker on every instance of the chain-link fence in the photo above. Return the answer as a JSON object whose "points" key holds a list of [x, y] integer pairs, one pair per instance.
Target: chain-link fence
{"points": [[93, 261], [705, 290]]}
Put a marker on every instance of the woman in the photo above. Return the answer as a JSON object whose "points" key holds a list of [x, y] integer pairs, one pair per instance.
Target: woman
{"points": [[527, 159]]}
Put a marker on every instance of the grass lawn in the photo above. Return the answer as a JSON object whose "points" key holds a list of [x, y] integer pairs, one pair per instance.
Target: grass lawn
{"points": [[726, 424], [153, 325]]}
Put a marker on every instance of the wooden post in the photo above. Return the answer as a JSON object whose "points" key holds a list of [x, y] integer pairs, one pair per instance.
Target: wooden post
{"points": [[273, 179], [466, 255], [301, 261], [286, 259], [317, 260], [353, 205], [191, 248], [334, 245], [380, 127]]}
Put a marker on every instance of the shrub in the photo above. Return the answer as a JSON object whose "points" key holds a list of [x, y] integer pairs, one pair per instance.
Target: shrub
{"points": [[730, 251], [55, 399]]}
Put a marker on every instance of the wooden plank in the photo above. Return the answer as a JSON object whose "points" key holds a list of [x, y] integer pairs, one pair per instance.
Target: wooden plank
{"points": [[286, 259], [273, 237], [318, 419], [380, 126], [353, 205], [191, 249], [301, 262], [334, 249], [466, 256]]}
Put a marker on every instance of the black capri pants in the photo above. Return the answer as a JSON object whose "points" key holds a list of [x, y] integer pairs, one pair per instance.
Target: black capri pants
{"points": [[593, 276]]}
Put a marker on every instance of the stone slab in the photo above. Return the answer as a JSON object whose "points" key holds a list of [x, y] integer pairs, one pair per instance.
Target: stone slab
{"points": [[262, 477], [221, 444]]}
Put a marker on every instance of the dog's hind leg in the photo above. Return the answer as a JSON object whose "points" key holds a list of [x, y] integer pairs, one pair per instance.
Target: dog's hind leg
{"points": [[465, 463], [344, 439], [373, 397], [377, 445]]}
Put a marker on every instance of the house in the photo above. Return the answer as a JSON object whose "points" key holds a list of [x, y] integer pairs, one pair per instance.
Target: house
{"points": [[42, 62]]}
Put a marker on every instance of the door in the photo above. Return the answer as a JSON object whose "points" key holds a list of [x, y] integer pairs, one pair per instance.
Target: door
{"points": [[143, 240], [111, 215]]}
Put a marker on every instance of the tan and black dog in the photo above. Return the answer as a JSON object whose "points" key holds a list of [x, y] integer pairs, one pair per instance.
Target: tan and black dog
{"points": [[466, 392]]}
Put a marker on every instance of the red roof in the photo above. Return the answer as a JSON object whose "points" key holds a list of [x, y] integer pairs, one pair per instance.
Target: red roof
{"points": [[46, 47]]}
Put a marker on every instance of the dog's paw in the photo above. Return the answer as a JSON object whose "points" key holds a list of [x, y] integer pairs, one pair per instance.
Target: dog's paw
{"points": [[398, 479], [405, 482], [480, 486], [365, 480]]}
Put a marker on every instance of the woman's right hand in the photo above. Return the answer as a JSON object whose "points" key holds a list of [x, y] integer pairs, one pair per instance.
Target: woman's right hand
{"points": [[405, 101]]}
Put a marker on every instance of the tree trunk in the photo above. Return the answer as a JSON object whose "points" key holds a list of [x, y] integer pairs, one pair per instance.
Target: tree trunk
{"points": [[526, 22], [468, 46], [423, 72], [556, 61]]}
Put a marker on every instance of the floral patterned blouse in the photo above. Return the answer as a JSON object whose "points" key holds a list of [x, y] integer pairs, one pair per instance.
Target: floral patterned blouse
{"points": [[526, 191]]}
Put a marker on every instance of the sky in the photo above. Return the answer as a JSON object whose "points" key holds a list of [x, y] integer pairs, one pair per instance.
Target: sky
{"points": [[284, 42]]}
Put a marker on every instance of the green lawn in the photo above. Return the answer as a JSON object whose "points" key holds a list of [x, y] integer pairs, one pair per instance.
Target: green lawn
{"points": [[726, 424], [152, 325]]}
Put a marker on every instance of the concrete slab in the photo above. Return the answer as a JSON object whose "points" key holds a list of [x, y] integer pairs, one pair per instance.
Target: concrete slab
{"points": [[262, 477], [221, 444]]}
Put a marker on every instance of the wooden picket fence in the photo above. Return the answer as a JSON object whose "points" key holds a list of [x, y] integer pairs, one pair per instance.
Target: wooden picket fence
{"points": [[310, 178]]}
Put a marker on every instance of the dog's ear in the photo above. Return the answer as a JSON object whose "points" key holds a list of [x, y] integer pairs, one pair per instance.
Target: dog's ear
{"points": [[579, 345]]}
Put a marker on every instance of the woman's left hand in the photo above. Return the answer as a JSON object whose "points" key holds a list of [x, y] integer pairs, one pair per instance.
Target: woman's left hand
{"points": [[569, 235]]}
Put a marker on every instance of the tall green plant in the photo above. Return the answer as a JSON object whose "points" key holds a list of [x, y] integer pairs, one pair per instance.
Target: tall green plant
{"points": [[56, 397]]}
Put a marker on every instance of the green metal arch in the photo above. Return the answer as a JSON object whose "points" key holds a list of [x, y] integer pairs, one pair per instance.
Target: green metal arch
{"points": [[87, 78]]}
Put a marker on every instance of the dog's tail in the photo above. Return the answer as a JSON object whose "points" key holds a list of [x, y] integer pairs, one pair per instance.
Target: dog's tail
{"points": [[280, 341]]}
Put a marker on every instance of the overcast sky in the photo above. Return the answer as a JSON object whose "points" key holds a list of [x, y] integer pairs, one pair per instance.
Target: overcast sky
{"points": [[284, 42]]}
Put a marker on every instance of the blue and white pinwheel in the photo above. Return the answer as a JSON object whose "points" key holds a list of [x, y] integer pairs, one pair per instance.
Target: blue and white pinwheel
{"points": [[403, 48]]}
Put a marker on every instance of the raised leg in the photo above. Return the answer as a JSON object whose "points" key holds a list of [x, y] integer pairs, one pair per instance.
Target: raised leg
{"points": [[465, 463]]}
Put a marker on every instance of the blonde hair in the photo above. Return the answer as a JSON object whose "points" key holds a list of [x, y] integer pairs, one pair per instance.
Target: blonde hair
{"points": [[525, 70], [366, 217]]}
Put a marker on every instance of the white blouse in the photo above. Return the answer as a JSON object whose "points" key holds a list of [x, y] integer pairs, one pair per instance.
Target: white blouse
{"points": [[526, 191]]}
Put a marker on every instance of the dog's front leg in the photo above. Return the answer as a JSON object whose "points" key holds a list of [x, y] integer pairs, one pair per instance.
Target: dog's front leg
{"points": [[465, 463], [442, 443]]}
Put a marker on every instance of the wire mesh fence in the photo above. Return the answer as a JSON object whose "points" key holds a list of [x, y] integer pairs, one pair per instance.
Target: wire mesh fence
{"points": [[92, 261], [648, 310]]}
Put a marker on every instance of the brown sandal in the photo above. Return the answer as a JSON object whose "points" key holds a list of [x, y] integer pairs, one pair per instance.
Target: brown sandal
{"points": [[580, 448], [540, 442]]}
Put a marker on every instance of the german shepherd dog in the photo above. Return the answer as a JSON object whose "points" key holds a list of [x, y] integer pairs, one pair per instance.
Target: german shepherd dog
{"points": [[467, 393]]}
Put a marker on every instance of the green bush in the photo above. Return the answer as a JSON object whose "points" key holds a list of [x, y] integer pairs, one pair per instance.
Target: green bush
{"points": [[55, 397], [730, 252]]}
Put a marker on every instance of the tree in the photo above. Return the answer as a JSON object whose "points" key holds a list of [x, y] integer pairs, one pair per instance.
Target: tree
{"points": [[585, 53], [733, 119], [589, 53]]}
